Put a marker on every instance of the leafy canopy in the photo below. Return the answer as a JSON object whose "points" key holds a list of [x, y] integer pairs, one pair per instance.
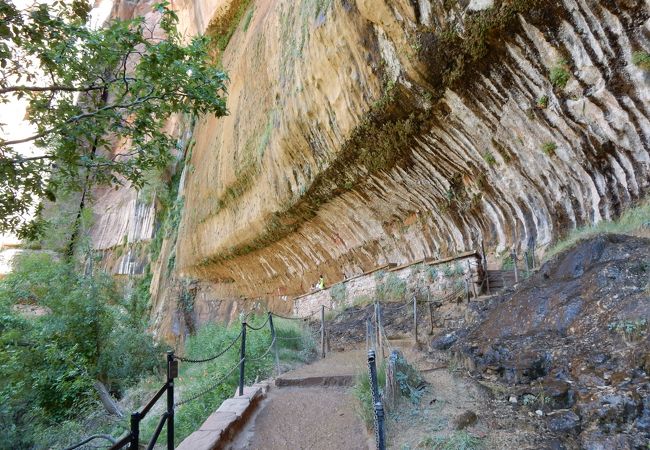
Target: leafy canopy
{"points": [[90, 92], [85, 331]]}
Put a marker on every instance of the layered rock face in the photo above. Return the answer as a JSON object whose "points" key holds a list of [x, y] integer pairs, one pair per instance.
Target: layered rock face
{"points": [[371, 132]]}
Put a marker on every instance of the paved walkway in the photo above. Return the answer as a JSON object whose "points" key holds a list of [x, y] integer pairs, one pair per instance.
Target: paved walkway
{"points": [[310, 408]]}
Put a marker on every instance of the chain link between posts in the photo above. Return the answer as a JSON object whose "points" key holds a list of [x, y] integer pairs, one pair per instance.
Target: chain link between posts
{"points": [[221, 353], [210, 388]]}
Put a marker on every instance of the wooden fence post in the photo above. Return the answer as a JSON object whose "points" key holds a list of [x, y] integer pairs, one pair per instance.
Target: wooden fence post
{"points": [[485, 268], [415, 320], [322, 331], [513, 255]]}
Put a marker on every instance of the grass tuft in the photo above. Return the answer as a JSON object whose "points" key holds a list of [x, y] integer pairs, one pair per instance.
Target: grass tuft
{"points": [[363, 394], [489, 158], [632, 220], [549, 148], [459, 440], [641, 60], [559, 74]]}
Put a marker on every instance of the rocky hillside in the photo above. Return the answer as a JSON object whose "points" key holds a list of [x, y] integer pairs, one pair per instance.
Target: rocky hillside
{"points": [[367, 132], [562, 358], [572, 341]]}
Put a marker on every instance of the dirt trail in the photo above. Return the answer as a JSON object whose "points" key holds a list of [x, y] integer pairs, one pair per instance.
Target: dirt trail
{"points": [[448, 396], [314, 411]]}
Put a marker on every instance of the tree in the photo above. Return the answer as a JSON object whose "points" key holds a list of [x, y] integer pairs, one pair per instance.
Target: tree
{"points": [[90, 91], [50, 361]]}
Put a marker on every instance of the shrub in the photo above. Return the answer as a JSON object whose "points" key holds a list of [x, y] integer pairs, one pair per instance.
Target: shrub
{"points": [[559, 75], [392, 289], [549, 148], [542, 102], [642, 60], [363, 394], [489, 158], [49, 362], [508, 263], [409, 380], [339, 293]]}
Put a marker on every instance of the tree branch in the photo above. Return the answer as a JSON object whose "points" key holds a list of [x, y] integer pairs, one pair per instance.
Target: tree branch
{"points": [[77, 118], [55, 87]]}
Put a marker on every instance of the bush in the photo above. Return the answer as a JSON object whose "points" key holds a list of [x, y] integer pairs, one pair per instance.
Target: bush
{"points": [[559, 75], [489, 158], [392, 288], [549, 148], [542, 102], [49, 362], [641, 60], [339, 293]]}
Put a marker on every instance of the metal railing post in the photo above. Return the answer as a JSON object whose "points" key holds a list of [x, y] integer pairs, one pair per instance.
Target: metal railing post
{"points": [[376, 401], [380, 331], [242, 357], [430, 312], [513, 255], [379, 414], [275, 345], [467, 290], [322, 331], [377, 331], [368, 334], [527, 263], [135, 431], [485, 267], [172, 372]]}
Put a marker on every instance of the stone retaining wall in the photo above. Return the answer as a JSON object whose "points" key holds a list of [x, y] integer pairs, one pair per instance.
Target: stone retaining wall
{"points": [[390, 283]]}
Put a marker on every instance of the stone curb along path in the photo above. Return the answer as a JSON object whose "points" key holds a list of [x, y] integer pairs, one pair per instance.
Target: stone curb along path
{"points": [[223, 424]]}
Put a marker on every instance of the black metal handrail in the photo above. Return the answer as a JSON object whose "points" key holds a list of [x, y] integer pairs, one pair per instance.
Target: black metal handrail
{"points": [[132, 440], [92, 438], [156, 433]]}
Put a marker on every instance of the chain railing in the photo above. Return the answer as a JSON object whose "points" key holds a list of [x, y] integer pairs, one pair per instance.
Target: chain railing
{"points": [[379, 348], [377, 402], [131, 440]]}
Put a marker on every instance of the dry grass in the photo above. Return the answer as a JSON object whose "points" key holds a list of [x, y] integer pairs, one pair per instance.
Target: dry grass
{"points": [[632, 221]]}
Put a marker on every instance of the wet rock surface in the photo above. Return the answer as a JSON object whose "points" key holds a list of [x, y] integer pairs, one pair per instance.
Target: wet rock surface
{"points": [[572, 341]]}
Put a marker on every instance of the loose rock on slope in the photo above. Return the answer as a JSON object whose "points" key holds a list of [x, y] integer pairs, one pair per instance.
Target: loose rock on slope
{"points": [[573, 342]]}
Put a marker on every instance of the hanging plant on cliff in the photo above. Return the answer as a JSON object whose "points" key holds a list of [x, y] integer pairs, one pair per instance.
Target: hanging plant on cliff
{"points": [[98, 100]]}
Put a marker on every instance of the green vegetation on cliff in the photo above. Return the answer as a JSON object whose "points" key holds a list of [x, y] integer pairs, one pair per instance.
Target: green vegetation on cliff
{"points": [[631, 221]]}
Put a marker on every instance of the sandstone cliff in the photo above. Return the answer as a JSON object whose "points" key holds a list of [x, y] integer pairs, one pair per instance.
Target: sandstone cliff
{"points": [[367, 132]]}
